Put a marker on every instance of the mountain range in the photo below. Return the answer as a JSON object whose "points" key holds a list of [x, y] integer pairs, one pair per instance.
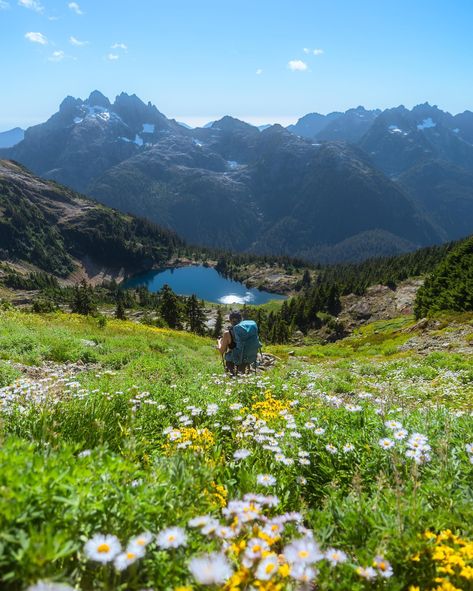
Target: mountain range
{"points": [[343, 186]]}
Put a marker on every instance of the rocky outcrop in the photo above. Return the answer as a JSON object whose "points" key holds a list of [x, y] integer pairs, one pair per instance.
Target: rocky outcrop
{"points": [[379, 303]]}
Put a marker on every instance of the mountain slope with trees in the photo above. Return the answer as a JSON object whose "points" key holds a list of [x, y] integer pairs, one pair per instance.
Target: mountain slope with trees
{"points": [[57, 230], [450, 286]]}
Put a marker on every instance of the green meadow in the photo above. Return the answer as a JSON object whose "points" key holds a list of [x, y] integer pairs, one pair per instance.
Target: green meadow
{"points": [[130, 462]]}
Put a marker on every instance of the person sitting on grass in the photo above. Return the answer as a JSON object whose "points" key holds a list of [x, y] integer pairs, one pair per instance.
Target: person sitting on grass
{"points": [[239, 344]]}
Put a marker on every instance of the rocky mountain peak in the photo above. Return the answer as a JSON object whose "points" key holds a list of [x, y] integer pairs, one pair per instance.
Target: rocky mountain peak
{"points": [[69, 104], [229, 123], [97, 99]]}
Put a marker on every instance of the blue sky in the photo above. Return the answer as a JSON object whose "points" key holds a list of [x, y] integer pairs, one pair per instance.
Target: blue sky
{"points": [[199, 60]]}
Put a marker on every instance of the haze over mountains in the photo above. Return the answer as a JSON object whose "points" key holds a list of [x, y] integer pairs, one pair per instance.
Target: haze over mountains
{"points": [[10, 138], [343, 186]]}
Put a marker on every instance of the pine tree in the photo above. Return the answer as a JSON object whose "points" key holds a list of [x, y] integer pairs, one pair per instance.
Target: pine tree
{"points": [[83, 299], [195, 315], [169, 307], [217, 331], [306, 280], [120, 313]]}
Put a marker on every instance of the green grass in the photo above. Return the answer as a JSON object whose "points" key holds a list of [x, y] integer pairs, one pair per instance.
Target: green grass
{"points": [[93, 448]]}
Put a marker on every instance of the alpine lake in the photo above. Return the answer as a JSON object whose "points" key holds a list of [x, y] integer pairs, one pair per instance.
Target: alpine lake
{"points": [[205, 282]]}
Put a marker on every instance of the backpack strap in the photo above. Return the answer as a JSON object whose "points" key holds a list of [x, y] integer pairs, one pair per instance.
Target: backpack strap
{"points": [[232, 344]]}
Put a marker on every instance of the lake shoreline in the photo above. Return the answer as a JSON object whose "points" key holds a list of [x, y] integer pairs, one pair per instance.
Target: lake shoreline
{"points": [[204, 281]]}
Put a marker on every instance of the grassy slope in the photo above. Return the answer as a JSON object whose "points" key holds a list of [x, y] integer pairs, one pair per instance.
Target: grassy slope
{"points": [[133, 478]]}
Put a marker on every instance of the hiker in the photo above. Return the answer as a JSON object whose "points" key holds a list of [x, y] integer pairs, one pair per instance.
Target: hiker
{"points": [[239, 344]]}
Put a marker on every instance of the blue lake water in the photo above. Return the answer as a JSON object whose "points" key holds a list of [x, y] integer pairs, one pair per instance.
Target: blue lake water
{"points": [[205, 283]]}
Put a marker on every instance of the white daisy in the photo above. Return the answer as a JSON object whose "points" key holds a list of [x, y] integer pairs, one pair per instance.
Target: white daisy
{"points": [[241, 454], [123, 560], [366, 572], [138, 543], [401, 434], [268, 567], [199, 521], [102, 548], [331, 448], [265, 480], [394, 425], [304, 551], [335, 556], [211, 569], [303, 573], [386, 443], [383, 567], [255, 548], [171, 537]]}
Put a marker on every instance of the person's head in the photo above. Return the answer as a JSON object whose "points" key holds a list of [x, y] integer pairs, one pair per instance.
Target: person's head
{"points": [[234, 317]]}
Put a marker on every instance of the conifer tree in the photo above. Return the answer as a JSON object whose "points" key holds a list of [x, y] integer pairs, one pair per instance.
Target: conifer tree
{"points": [[169, 307], [83, 299], [120, 313], [195, 315], [217, 331]]}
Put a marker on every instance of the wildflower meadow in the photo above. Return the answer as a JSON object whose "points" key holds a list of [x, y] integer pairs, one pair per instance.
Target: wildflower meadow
{"points": [[130, 462]]}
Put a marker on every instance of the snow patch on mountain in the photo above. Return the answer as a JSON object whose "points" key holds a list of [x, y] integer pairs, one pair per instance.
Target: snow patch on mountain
{"points": [[96, 112], [197, 142], [138, 140], [426, 124], [148, 128], [396, 130]]}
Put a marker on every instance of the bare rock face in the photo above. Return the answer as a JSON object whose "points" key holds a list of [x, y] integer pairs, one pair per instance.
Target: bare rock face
{"points": [[379, 303], [457, 337]]}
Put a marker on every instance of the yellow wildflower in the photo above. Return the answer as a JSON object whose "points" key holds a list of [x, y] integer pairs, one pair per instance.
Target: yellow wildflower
{"points": [[467, 573]]}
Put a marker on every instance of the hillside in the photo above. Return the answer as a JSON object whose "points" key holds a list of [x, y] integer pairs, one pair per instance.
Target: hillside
{"points": [[352, 453], [450, 286], [53, 229]]}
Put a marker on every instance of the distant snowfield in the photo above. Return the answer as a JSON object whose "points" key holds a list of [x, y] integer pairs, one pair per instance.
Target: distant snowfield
{"points": [[427, 124], [395, 129], [148, 128]]}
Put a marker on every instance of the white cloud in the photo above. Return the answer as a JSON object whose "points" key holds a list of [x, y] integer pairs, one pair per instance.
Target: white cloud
{"points": [[31, 4], [57, 56], [75, 7], [4, 5], [74, 41], [259, 71], [112, 57], [36, 38], [119, 46], [316, 51], [53, 18], [297, 65]]}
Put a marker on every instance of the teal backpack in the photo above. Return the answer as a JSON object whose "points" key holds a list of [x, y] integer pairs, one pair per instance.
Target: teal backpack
{"points": [[247, 343]]}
